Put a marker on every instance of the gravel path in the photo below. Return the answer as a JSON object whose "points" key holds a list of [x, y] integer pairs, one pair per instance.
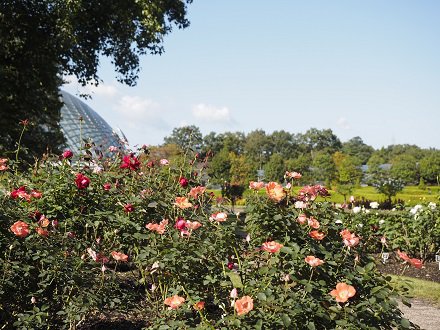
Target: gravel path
{"points": [[423, 314]]}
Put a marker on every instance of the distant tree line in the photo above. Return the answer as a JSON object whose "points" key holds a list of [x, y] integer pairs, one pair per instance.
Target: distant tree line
{"points": [[319, 155]]}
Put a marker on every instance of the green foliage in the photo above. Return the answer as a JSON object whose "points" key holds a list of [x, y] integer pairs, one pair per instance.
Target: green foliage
{"points": [[46, 39], [186, 137], [429, 168], [404, 168], [388, 186], [275, 168], [65, 269]]}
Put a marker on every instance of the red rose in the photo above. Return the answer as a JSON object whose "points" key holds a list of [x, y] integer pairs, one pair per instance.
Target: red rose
{"points": [[81, 181], [183, 182], [67, 154], [130, 162]]}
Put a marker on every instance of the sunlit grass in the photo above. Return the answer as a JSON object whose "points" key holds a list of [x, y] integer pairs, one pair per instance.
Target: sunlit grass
{"points": [[421, 289]]}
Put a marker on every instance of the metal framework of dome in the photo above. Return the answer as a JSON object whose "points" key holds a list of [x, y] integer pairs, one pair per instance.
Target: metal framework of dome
{"points": [[92, 126]]}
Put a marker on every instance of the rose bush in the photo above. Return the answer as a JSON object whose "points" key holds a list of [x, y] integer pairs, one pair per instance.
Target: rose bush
{"points": [[83, 235]]}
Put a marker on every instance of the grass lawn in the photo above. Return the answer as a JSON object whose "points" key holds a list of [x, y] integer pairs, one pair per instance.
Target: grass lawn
{"points": [[412, 195], [425, 290]]}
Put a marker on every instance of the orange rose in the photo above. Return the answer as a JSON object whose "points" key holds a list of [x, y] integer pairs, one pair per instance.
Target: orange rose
{"points": [[313, 261], [20, 228], [119, 256], [159, 228], [197, 191], [416, 262], [244, 305], [312, 222], [182, 203], [349, 238], [275, 191], [42, 232], [316, 235], [256, 185], [271, 247], [343, 292], [174, 302], [199, 305]]}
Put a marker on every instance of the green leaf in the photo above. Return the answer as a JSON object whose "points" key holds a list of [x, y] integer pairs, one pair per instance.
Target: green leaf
{"points": [[286, 320], [261, 296], [405, 323], [235, 279]]}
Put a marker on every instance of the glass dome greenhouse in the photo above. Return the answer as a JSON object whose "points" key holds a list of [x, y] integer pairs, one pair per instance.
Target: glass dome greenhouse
{"points": [[91, 128]]}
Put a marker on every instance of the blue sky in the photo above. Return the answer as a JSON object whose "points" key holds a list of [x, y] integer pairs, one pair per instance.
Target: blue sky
{"points": [[361, 68]]}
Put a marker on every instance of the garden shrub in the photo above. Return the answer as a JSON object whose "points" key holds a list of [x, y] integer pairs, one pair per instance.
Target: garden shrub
{"points": [[92, 235]]}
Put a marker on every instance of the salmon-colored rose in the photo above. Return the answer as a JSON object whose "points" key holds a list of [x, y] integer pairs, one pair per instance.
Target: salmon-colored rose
{"points": [[42, 232], [402, 255], [312, 222], [293, 175], [197, 191], [343, 292], [349, 238], [313, 261], [119, 256], [316, 235], [199, 305], [244, 305], [174, 302], [271, 247], [302, 218], [275, 191], [193, 225], [159, 228], [182, 203], [20, 229], [416, 262], [219, 216], [256, 185]]}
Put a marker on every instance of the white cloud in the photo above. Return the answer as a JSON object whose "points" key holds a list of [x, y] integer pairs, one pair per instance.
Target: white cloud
{"points": [[106, 90], [211, 113], [343, 123], [139, 111]]}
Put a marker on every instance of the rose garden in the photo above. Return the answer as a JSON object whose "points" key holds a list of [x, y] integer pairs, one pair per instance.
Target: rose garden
{"points": [[85, 237]]}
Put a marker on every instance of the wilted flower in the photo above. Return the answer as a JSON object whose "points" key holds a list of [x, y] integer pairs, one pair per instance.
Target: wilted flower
{"points": [[193, 225], [42, 232], [164, 162], [244, 305], [174, 302], [3, 166], [343, 292]]}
